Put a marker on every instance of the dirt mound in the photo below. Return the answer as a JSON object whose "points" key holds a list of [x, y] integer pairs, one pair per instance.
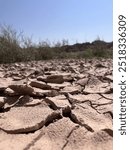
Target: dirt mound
{"points": [[56, 105]]}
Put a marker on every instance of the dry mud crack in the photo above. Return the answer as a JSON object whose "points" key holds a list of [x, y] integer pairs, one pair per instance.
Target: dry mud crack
{"points": [[56, 105]]}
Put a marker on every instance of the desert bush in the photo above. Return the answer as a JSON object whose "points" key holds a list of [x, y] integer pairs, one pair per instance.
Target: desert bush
{"points": [[15, 47], [9, 44], [99, 49]]}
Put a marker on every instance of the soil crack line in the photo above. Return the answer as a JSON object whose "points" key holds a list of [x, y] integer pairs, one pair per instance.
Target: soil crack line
{"points": [[67, 139]]}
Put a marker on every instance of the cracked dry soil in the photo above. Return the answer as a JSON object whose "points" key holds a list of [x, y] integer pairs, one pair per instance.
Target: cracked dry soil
{"points": [[56, 105]]}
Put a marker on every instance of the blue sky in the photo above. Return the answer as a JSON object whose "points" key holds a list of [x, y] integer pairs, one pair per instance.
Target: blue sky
{"points": [[75, 20]]}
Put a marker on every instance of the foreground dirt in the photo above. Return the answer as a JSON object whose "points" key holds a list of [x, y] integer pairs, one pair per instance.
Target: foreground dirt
{"points": [[56, 105]]}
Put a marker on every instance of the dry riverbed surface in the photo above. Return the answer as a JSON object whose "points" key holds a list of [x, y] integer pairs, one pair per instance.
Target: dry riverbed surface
{"points": [[56, 105]]}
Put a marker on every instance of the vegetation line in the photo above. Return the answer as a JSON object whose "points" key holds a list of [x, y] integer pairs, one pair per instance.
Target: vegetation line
{"points": [[15, 47]]}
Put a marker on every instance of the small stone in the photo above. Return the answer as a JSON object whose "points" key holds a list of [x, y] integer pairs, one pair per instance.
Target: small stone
{"points": [[83, 81], [54, 79], [40, 84]]}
